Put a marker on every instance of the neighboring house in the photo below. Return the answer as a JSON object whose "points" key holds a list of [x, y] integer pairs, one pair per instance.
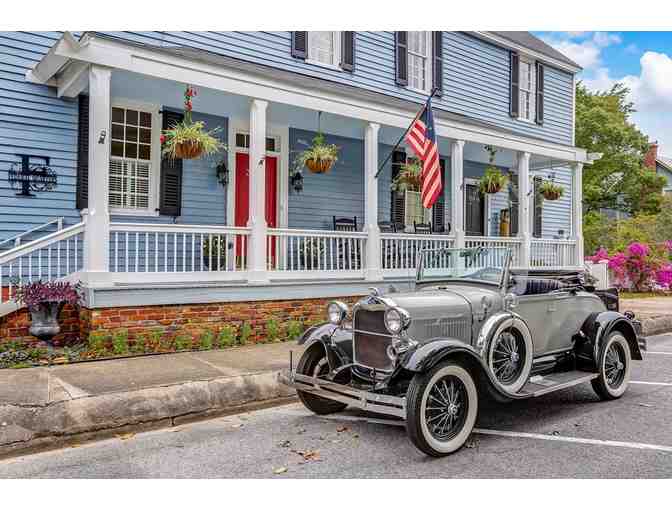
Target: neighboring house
{"points": [[141, 232], [664, 167]]}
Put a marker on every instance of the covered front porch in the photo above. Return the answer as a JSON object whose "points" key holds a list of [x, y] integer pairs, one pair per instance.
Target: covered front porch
{"points": [[240, 218]]}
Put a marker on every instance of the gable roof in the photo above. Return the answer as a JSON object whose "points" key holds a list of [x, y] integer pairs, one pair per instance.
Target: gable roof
{"points": [[527, 40], [665, 162]]}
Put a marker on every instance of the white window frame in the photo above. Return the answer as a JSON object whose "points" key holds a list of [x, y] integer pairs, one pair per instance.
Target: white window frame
{"points": [[310, 52], [530, 89], [428, 67], [155, 156]]}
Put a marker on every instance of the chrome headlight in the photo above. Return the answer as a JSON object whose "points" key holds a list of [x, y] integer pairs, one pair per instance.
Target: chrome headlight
{"points": [[396, 320], [337, 312]]}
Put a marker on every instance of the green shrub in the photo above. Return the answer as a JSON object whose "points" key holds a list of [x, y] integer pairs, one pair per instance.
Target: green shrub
{"points": [[140, 344], [207, 340], [97, 341], [120, 342], [272, 330], [227, 336], [182, 342], [153, 343], [294, 330], [245, 333]]}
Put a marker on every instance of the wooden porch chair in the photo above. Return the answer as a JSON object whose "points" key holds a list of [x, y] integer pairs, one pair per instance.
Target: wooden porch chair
{"points": [[387, 227], [422, 228], [348, 253]]}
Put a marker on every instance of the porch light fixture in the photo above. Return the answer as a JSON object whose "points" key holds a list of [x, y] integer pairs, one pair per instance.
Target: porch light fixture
{"points": [[222, 173], [296, 181]]}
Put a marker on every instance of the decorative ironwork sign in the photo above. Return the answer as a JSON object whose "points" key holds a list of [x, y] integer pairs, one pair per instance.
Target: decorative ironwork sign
{"points": [[27, 176]]}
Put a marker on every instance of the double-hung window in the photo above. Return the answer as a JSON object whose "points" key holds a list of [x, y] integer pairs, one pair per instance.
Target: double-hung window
{"points": [[527, 90], [324, 48], [133, 159], [420, 61]]}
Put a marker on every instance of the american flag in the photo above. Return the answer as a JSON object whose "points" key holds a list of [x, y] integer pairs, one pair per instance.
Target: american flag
{"points": [[422, 139]]}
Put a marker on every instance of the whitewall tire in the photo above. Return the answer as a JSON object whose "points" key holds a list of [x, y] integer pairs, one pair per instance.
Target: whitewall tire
{"points": [[510, 356], [614, 365]]}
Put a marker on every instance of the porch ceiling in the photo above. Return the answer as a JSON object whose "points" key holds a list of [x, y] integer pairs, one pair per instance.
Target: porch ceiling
{"points": [[207, 69]]}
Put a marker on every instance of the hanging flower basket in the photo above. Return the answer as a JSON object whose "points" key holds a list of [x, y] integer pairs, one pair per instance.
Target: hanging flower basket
{"points": [[408, 178], [319, 157], [551, 191], [189, 139], [493, 181]]}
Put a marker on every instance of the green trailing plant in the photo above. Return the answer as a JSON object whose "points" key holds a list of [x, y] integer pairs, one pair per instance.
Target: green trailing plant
{"points": [[551, 190], [120, 342], [188, 139], [140, 344], [493, 180], [272, 330], [154, 341], [408, 178], [97, 342], [294, 330], [245, 333], [207, 340], [227, 336], [318, 158], [183, 342]]}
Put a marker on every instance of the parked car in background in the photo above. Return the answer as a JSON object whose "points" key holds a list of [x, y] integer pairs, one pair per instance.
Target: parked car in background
{"points": [[471, 327]]}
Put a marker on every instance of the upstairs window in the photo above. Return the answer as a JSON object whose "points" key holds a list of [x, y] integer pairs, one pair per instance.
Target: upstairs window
{"points": [[419, 61], [527, 90], [323, 48]]}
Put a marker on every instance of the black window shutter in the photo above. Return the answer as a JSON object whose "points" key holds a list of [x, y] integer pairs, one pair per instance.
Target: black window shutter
{"points": [[401, 61], [513, 208], [539, 116], [439, 208], [82, 190], [170, 201], [299, 44], [537, 226], [398, 202], [348, 51], [437, 69], [514, 81]]}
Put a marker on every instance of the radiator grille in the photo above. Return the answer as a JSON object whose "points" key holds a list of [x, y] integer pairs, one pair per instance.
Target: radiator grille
{"points": [[371, 340]]}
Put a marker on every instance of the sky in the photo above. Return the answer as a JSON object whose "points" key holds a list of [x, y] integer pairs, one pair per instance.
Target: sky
{"points": [[641, 60]]}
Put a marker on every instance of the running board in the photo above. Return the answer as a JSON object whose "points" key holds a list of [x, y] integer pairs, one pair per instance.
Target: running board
{"points": [[540, 385]]}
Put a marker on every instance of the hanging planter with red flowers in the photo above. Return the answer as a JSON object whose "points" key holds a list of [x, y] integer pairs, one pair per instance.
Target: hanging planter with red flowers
{"points": [[189, 139]]}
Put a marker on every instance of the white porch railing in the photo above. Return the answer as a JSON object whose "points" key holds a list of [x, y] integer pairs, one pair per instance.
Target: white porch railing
{"points": [[49, 258], [553, 253], [513, 243], [291, 252], [399, 252], [172, 248]]}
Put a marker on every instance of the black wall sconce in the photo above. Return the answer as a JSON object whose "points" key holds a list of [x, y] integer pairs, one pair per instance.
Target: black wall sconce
{"points": [[296, 181], [36, 177], [222, 173]]}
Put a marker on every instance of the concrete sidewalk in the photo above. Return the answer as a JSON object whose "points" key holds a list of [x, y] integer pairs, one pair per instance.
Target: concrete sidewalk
{"points": [[50, 406], [655, 313]]}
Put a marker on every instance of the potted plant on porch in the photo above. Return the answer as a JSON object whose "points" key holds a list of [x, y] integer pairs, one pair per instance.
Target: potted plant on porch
{"points": [[408, 178], [319, 157], [493, 180], [189, 139], [551, 190], [44, 301]]}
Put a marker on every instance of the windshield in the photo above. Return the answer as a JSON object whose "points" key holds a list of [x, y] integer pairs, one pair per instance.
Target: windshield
{"points": [[479, 263]]}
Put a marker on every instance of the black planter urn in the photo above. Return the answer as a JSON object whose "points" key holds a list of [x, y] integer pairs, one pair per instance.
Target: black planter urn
{"points": [[44, 323]]}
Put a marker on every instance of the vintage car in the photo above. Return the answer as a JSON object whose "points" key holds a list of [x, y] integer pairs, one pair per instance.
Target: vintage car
{"points": [[471, 327]]}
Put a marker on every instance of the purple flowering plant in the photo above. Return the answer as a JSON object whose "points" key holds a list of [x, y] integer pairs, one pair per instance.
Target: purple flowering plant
{"points": [[33, 294]]}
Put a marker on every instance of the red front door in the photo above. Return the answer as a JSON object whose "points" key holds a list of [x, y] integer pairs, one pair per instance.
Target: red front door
{"points": [[242, 190]]}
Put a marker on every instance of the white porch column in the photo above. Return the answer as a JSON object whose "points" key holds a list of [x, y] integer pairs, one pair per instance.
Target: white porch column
{"points": [[373, 266], [257, 172], [456, 192], [97, 216], [577, 210], [524, 231]]}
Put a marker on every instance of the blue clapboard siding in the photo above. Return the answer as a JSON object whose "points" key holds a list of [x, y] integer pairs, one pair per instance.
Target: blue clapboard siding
{"points": [[557, 214], [476, 73], [34, 121]]}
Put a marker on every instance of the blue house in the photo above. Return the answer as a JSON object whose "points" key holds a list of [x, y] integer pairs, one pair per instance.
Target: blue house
{"points": [[87, 110]]}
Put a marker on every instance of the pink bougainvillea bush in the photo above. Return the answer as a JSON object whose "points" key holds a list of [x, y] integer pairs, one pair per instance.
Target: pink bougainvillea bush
{"points": [[639, 267]]}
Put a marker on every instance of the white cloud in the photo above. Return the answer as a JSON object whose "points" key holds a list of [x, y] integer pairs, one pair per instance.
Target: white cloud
{"points": [[651, 92], [585, 52]]}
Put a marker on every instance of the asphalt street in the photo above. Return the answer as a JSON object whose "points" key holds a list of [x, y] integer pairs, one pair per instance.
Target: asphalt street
{"points": [[568, 434]]}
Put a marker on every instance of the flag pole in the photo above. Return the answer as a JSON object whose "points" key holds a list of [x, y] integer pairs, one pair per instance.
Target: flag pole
{"points": [[401, 138]]}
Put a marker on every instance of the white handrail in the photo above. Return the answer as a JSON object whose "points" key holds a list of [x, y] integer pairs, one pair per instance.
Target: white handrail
{"points": [[17, 238], [177, 227], [42, 242]]}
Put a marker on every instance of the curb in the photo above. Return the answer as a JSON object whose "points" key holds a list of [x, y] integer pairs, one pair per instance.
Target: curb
{"points": [[29, 428], [657, 325]]}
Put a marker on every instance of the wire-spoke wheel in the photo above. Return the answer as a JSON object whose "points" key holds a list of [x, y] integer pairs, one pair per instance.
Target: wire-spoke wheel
{"points": [[614, 367], [510, 357], [441, 408], [314, 363]]}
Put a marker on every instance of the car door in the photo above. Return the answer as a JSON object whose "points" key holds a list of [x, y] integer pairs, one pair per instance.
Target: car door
{"points": [[537, 312]]}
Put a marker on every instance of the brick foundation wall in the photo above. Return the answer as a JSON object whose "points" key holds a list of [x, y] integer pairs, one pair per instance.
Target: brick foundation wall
{"points": [[172, 320]]}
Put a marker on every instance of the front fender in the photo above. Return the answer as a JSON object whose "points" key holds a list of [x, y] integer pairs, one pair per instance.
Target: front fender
{"points": [[336, 340], [598, 326]]}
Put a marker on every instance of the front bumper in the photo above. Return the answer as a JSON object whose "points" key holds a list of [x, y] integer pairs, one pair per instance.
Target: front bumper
{"points": [[361, 399]]}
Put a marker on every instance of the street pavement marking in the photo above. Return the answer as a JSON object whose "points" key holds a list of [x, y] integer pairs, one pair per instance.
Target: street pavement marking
{"points": [[582, 440], [659, 352], [652, 383]]}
